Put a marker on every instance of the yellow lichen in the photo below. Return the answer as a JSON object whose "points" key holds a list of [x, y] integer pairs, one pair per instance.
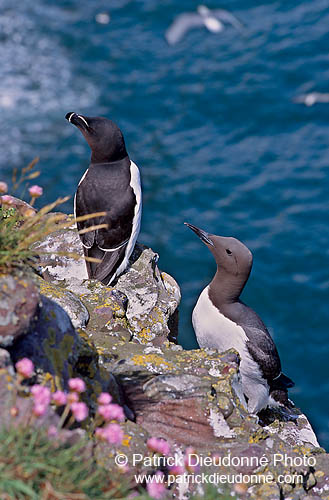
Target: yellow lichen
{"points": [[152, 359], [126, 440]]}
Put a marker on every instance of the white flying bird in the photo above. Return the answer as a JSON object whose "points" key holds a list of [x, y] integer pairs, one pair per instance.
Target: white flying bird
{"points": [[312, 98], [213, 20]]}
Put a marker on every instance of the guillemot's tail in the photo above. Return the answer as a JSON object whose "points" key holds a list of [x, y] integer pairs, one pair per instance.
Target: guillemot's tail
{"points": [[279, 390]]}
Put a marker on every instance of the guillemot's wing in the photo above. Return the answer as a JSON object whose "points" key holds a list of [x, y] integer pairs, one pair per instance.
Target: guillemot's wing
{"points": [[262, 349], [226, 16], [264, 352], [181, 25]]}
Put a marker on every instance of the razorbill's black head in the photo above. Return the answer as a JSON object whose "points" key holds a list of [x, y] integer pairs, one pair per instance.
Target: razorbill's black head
{"points": [[112, 185], [103, 136], [222, 321]]}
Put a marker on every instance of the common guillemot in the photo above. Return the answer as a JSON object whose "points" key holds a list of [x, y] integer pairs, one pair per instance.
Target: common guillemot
{"points": [[222, 321], [111, 184]]}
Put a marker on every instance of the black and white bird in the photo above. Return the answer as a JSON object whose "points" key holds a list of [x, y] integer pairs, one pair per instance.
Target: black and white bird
{"points": [[111, 184], [222, 321], [213, 20]]}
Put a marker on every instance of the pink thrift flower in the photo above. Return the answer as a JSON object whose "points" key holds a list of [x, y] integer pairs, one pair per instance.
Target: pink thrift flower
{"points": [[52, 431], [124, 469], [104, 398], [39, 409], [72, 397], [156, 489], [14, 411], [41, 395], [191, 460], [111, 412], [80, 411], [59, 397], [7, 199], [113, 434], [163, 447], [3, 187], [25, 367], [176, 470], [158, 446], [77, 385], [99, 433], [35, 191]]}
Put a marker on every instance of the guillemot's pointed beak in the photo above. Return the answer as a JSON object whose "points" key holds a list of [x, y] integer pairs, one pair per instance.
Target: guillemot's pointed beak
{"points": [[203, 235], [78, 120]]}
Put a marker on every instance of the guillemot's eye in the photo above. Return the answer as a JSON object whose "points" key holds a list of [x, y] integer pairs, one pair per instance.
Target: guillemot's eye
{"points": [[228, 252]]}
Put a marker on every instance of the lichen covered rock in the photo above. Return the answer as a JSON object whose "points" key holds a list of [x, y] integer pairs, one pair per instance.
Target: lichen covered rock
{"points": [[189, 398], [142, 304], [192, 398], [59, 353], [61, 257], [52, 343], [24, 209], [19, 299], [76, 310]]}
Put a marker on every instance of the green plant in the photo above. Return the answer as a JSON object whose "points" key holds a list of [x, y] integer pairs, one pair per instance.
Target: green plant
{"points": [[26, 174], [19, 232], [35, 467], [210, 492]]}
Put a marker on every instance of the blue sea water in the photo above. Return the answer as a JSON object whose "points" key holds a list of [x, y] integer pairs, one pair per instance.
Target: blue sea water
{"points": [[220, 142]]}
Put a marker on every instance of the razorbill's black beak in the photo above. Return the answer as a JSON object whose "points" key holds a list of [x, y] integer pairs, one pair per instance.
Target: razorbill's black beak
{"points": [[78, 120], [205, 237]]}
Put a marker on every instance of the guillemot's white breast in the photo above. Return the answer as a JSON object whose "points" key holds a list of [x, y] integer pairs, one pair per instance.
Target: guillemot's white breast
{"points": [[213, 329], [222, 321]]}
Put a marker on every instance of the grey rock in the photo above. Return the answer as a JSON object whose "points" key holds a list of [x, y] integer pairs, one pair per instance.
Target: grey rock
{"points": [[296, 432], [153, 297], [19, 299], [186, 397], [76, 310], [21, 403], [52, 344], [56, 258], [59, 353], [142, 304], [23, 208], [5, 361]]}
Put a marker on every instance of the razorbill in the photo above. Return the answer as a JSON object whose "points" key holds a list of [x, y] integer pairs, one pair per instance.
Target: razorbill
{"points": [[222, 321], [111, 184], [213, 20]]}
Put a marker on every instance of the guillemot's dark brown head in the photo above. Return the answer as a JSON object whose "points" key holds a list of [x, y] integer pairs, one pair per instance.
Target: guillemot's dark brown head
{"points": [[103, 136], [233, 258]]}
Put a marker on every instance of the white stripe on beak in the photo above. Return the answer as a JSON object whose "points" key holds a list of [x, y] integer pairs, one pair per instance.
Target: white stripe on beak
{"points": [[71, 116], [83, 119]]}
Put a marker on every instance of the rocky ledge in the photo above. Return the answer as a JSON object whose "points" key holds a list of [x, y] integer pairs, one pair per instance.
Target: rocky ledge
{"points": [[123, 339]]}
